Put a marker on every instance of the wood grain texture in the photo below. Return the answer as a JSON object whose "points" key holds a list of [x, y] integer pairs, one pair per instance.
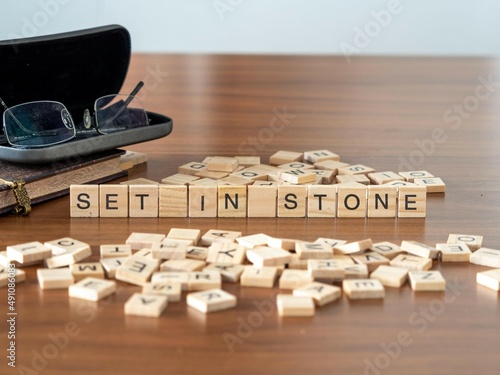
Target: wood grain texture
{"points": [[376, 111]]}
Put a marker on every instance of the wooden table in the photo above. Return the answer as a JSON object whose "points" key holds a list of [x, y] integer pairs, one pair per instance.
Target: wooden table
{"points": [[436, 114]]}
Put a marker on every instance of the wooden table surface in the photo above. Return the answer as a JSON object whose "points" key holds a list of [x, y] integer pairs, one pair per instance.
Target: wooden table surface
{"points": [[437, 114]]}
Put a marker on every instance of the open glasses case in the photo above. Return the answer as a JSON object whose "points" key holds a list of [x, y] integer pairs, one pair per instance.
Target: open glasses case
{"points": [[75, 69]]}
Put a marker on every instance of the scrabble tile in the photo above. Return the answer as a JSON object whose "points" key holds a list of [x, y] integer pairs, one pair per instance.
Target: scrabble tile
{"points": [[322, 201], [216, 235], [283, 243], [411, 262], [283, 157], [325, 269], [182, 265], [263, 277], [146, 305], [320, 155], [136, 270], [399, 183], [136, 158], [92, 289], [179, 179], [356, 169], [489, 279], [248, 161], [184, 234], [355, 271], [419, 249], [5, 261], [170, 249], [262, 201], [353, 247], [181, 278], [203, 201], [28, 252], [427, 281], [294, 306], [412, 201], [171, 290], [230, 273], [359, 178], [454, 252], [296, 263], [143, 201], [433, 185], [173, 201], [235, 181], [326, 177], [115, 251], [253, 240], [412, 175], [291, 279], [321, 293], [59, 278], [296, 165], [382, 201], [148, 255], [390, 276], [486, 257], [113, 200], [371, 259], [232, 201], [140, 181], [387, 249], [351, 201], [192, 168], [110, 265], [222, 164], [213, 175], [330, 165], [197, 252], [212, 300], [297, 176], [261, 256], [252, 174], [332, 242], [6, 274], [292, 201], [230, 253], [204, 280], [139, 241], [380, 178], [84, 201], [474, 242], [311, 250], [363, 289], [81, 271], [205, 182], [66, 251]]}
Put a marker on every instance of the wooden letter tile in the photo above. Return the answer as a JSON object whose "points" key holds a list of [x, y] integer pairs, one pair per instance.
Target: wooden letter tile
{"points": [[363, 289], [28, 252], [113, 200], [179, 179], [170, 249], [297, 176], [267, 256], [320, 155], [284, 157], [291, 279], [474, 242], [355, 271], [262, 201], [412, 262], [412, 201], [222, 164], [193, 235], [139, 241], [230, 253], [170, 290], [146, 305], [110, 265], [181, 278], [321, 293], [82, 270], [136, 270], [67, 251], [192, 168], [322, 201], [230, 273], [204, 280], [259, 277], [412, 175], [380, 178], [203, 201], [489, 279], [486, 257], [215, 235], [382, 201], [371, 259], [427, 281], [292, 201], [253, 240], [454, 252], [419, 249], [182, 265], [433, 185], [356, 169], [212, 300], [143, 201], [232, 201], [60, 278], [387, 249], [326, 269], [84, 200], [294, 306], [197, 252], [173, 201], [390, 276], [351, 201], [92, 289], [115, 251], [312, 250], [353, 247]]}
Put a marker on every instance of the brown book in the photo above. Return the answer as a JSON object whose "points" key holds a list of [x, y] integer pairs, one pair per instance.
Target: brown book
{"points": [[52, 180]]}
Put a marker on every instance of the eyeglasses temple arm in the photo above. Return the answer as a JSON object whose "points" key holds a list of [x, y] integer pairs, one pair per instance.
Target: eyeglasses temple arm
{"points": [[133, 93], [2, 103]]}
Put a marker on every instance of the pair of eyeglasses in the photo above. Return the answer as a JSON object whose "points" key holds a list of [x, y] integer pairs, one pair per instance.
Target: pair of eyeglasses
{"points": [[46, 123]]}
